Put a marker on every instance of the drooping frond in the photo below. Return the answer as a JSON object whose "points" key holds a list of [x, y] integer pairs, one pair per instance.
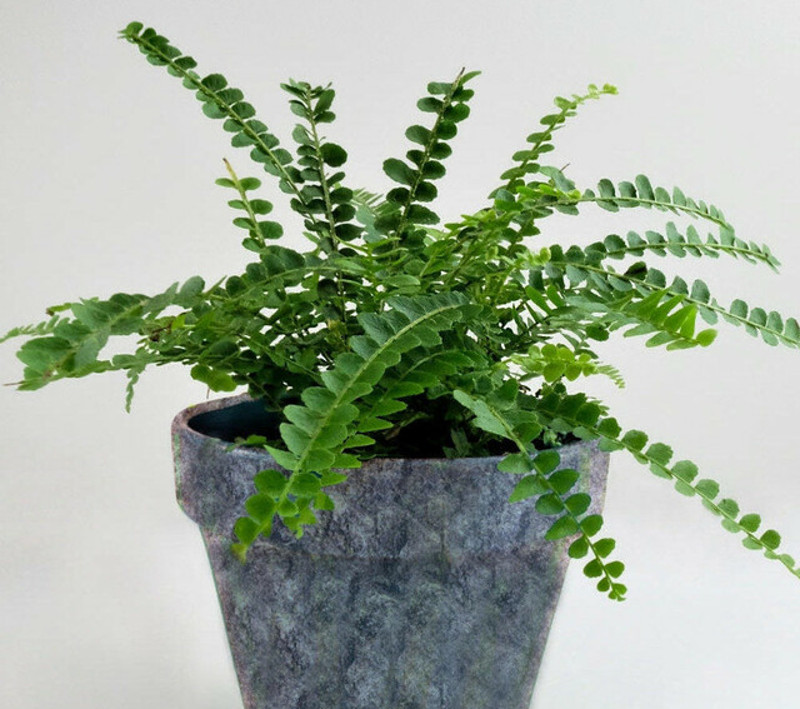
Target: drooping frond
{"points": [[553, 488], [641, 282], [72, 347], [640, 193], [317, 431], [587, 418], [537, 200], [665, 317]]}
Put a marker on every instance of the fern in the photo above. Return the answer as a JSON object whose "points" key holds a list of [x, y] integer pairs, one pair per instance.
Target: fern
{"points": [[392, 322]]}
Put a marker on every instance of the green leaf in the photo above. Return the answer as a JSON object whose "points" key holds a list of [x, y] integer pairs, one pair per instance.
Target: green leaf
{"points": [[214, 379], [418, 134], [529, 486], [270, 481], [562, 481], [550, 504], [750, 522], [333, 155], [547, 461], [430, 104], [604, 547], [562, 527], [635, 440], [707, 488], [771, 539], [591, 525], [260, 507], [578, 503], [516, 463], [246, 530], [305, 485], [399, 171], [323, 502], [579, 548]]}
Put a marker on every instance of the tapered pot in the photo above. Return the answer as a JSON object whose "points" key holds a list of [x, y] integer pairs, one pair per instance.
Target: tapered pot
{"points": [[423, 589]]}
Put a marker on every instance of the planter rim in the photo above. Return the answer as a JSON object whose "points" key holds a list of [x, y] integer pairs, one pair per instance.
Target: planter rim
{"points": [[182, 421]]}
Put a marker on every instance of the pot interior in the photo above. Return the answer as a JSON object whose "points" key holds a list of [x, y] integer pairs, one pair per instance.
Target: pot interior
{"points": [[238, 421]]}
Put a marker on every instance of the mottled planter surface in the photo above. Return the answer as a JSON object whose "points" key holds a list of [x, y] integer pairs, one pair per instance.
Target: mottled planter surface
{"points": [[424, 589]]}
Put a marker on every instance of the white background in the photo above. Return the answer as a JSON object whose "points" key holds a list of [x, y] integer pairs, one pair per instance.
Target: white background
{"points": [[107, 185]]}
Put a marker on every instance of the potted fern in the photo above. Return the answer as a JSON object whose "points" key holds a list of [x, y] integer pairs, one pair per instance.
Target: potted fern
{"points": [[390, 507]]}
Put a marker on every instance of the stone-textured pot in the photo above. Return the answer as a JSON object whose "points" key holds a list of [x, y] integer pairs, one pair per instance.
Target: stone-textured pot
{"points": [[424, 589]]}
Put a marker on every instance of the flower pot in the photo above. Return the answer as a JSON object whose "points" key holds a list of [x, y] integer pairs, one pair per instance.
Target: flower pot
{"points": [[423, 589]]}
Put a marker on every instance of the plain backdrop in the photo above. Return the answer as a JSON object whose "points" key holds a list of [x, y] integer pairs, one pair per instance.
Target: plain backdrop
{"points": [[107, 185]]}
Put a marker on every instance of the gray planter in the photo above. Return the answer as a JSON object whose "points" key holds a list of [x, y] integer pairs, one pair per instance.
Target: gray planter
{"points": [[424, 589]]}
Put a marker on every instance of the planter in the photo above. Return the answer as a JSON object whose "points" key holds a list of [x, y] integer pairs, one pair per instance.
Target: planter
{"points": [[424, 589]]}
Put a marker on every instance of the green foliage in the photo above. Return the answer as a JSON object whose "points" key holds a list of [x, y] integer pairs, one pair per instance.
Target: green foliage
{"points": [[396, 335], [503, 413], [328, 421], [577, 413]]}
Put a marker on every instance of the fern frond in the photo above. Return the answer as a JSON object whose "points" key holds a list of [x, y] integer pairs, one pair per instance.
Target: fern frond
{"points": [[664, 316], [640, 193], [259, 230], [542, 141], [680, 245], [587, 418], [221, 101], [552, 362], [425, 164], [72, 346], [552, 487], [537, 200], [316, 431], [321, 191], [646, 281]]}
